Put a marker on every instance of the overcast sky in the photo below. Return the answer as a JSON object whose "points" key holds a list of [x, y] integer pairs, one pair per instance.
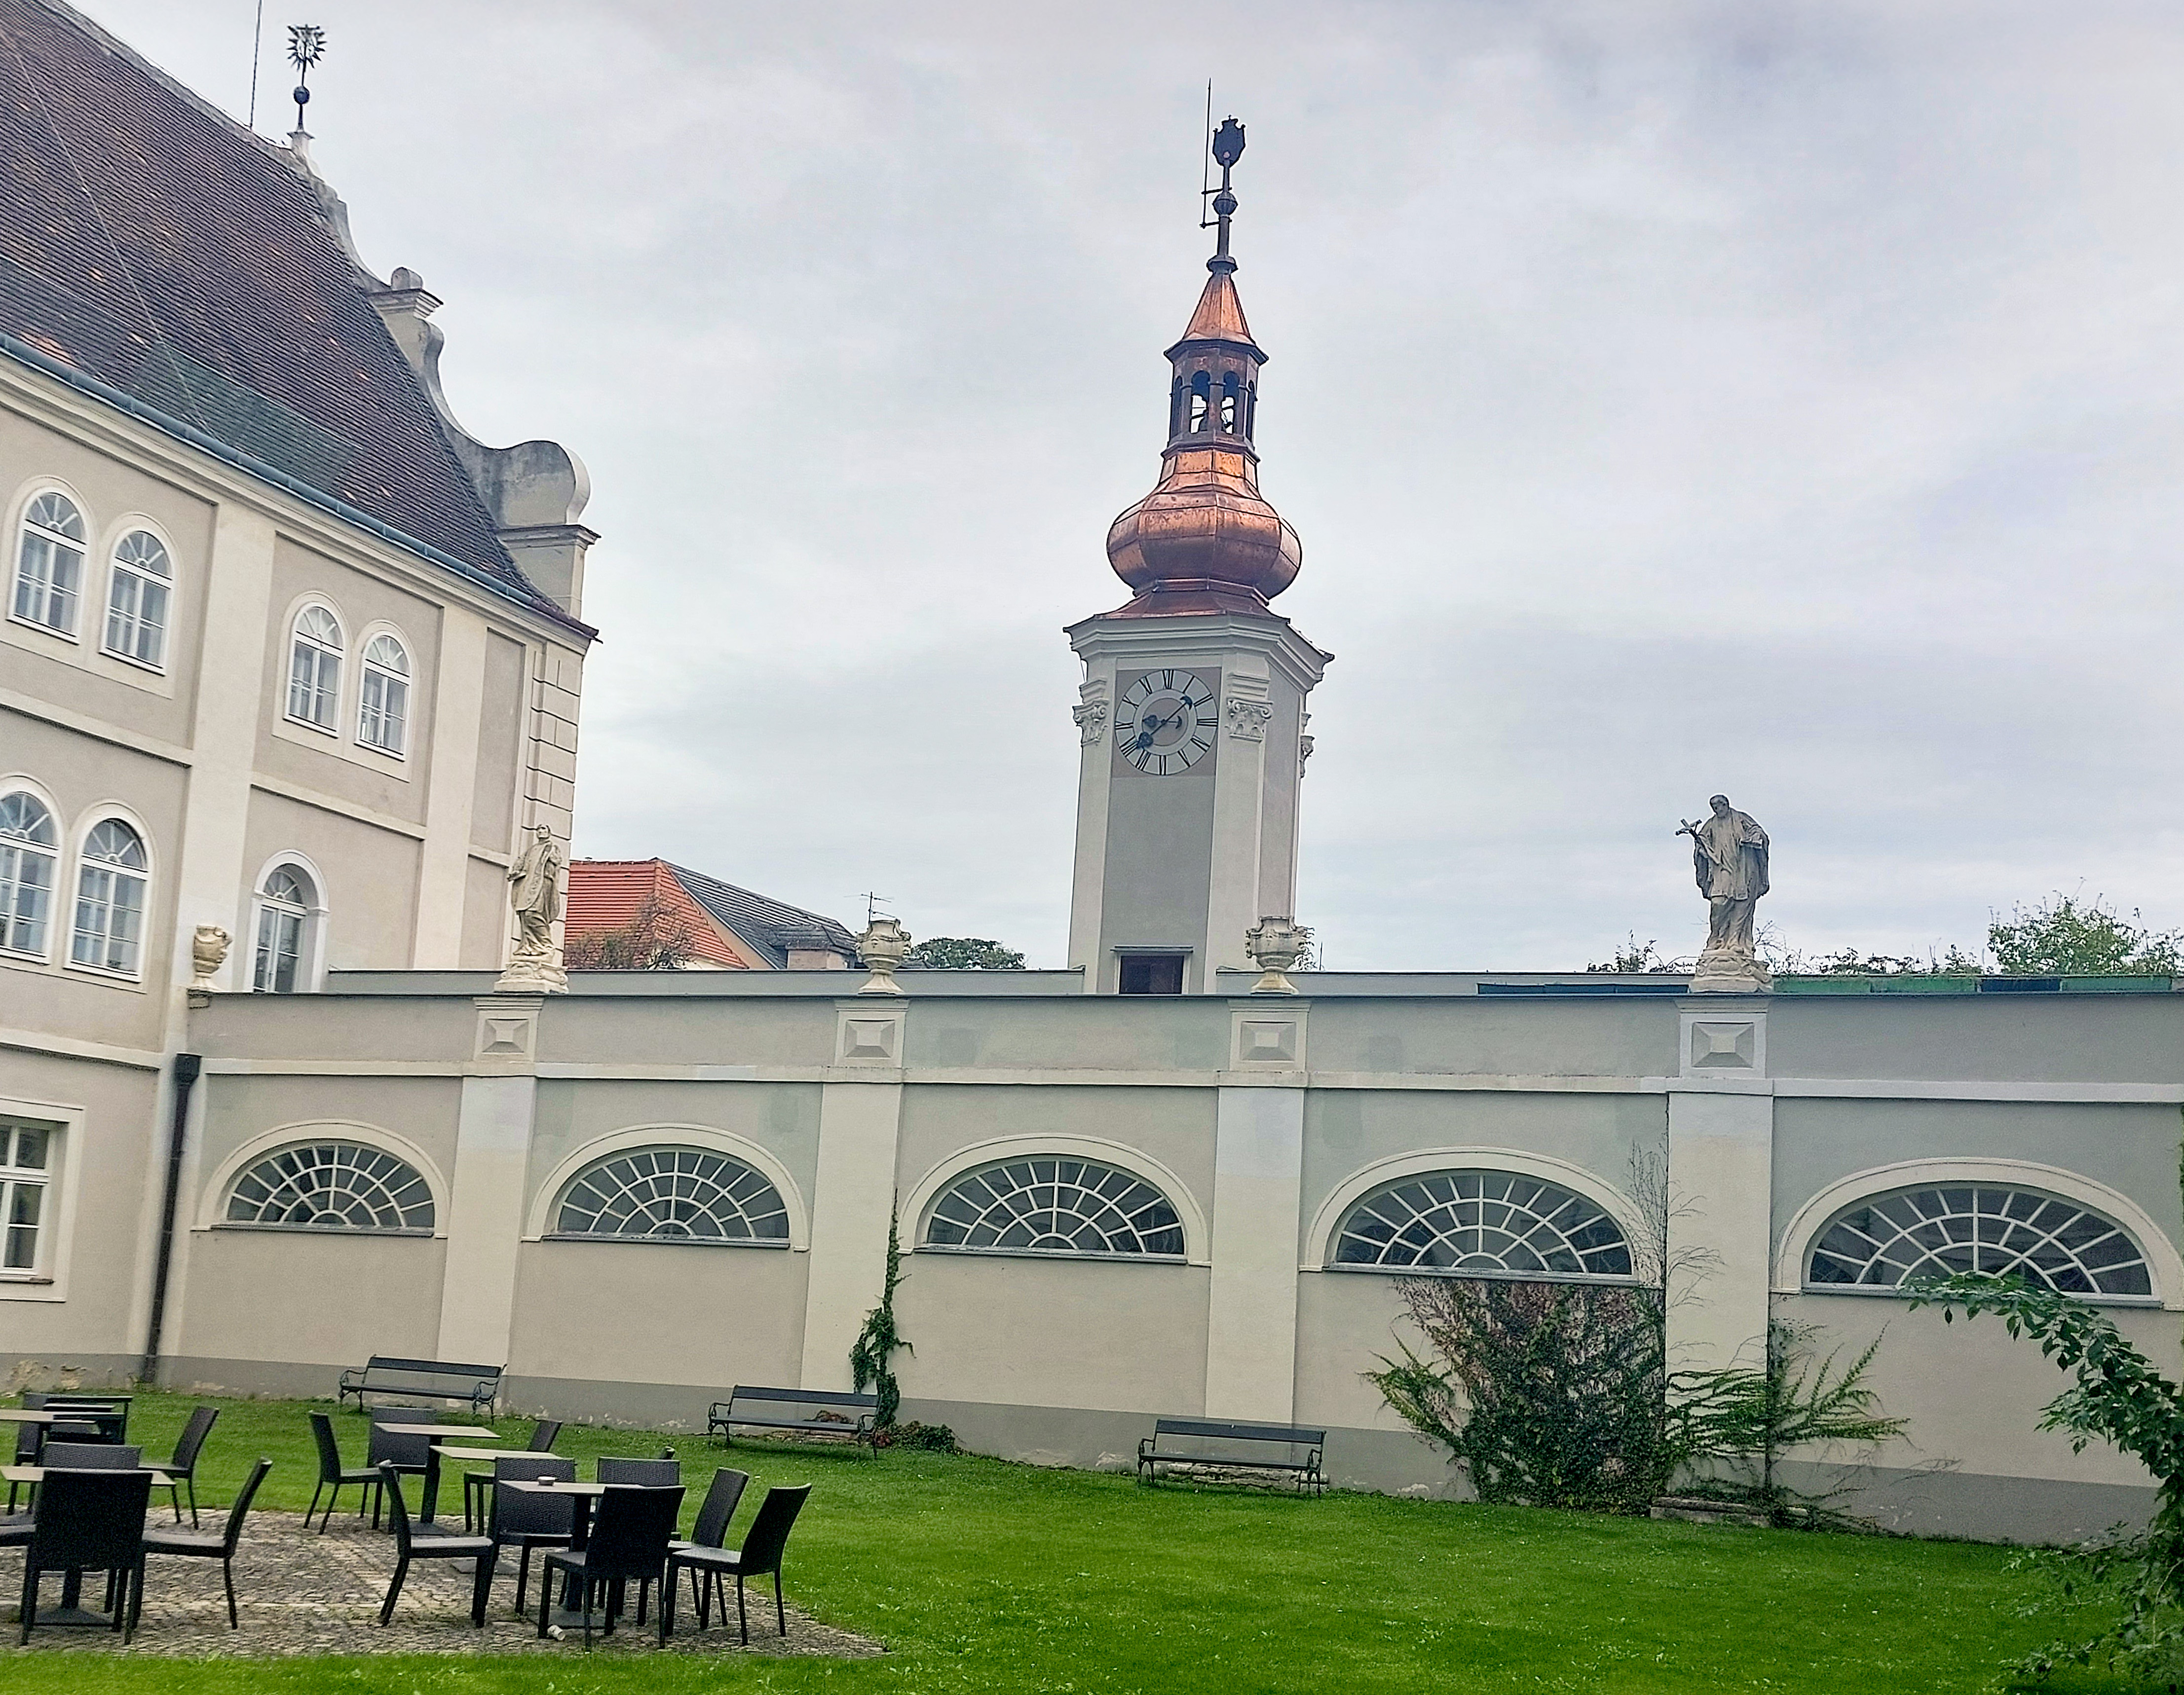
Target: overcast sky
{"points": [[1783, 399]]}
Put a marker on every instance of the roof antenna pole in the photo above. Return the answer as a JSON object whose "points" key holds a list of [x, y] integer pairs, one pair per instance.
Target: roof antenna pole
{"points": [[256, 46], [307, 46]]}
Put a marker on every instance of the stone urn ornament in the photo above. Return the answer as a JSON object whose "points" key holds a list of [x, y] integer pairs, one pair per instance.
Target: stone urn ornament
{"points": [[1276, 944], [881, 949], [208, 945]]}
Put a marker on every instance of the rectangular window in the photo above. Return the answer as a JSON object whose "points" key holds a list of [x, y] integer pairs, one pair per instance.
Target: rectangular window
{"points": [[27, 1152], [45, 577], [26, 897], [136, 619], [314, 684], [109, 920], [280, 946], [1152, 973], [385, 711]]}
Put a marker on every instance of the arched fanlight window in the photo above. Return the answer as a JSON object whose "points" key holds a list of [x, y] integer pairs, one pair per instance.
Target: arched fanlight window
{"points": [[137, 599], [1040, 1205], [49, 564], [1228, 404], [29, 856], [1483, 1224], [382, 712], [1891, 1241], [674, 1194], [287, 902], [1201, 390], [315, 663], [332, 1186], [109, 899]]}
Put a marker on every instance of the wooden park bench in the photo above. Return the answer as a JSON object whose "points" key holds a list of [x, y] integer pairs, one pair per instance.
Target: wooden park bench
{"points": [[440, 1378], [803, 1412], [1222, 1445]]}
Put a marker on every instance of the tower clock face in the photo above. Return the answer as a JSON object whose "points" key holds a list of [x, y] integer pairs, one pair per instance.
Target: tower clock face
{"points": [[1165, 721]]}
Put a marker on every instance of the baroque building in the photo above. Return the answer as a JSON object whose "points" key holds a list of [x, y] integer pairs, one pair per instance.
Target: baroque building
{"points": [[1135, 1187]]}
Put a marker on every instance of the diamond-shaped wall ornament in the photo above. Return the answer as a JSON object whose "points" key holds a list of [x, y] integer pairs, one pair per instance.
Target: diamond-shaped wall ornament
{"points": [[869, 1038], [1724, 1047]]}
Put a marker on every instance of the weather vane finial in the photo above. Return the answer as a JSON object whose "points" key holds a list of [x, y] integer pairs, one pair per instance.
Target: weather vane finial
{"points": [[307, 46], [1228, 145]]}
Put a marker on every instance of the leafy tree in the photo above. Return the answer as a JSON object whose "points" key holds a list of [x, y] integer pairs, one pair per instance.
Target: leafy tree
{"points": [[875, 1343], [655, 939], [2067, 936], [1632, 956], [2118, 1396], [963, 954]]}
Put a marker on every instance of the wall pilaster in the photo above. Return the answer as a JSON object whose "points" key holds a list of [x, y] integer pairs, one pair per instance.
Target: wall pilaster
{"points": [[1721, 1176], [853, 1195], [484, 1207]]}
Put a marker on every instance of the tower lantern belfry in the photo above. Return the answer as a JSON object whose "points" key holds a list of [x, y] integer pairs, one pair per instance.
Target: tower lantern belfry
{"points": [[1205, 524], [1192, 708]]}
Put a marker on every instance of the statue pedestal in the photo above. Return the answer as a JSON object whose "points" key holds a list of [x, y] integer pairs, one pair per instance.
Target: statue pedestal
{"points": [[1731, 974], [530, 975]]}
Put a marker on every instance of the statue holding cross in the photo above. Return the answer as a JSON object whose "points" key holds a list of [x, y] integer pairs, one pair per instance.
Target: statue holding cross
{"points": [[1729, 856]]}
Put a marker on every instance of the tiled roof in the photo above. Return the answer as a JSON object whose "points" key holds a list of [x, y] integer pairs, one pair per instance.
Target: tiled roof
{"points": [[160, 247], [772, 927], [609, 894]]}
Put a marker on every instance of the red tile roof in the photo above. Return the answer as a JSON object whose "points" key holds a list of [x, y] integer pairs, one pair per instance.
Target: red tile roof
{"points": [[609, 894]]}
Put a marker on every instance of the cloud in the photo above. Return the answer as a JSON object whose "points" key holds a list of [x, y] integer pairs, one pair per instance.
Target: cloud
{"points": [[1673, 397]]}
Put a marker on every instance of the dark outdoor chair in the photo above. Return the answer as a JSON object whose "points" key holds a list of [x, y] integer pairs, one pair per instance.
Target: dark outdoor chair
{"points": [[206, 1545], [478, 1484], [15, 1528], [29, 1439], [482, 1549], [183, 1467], [764, 1544], [92, 1456], [89, 1521], [646, 1474], [407, 1453], [629, 1539], [711, 1530], [522, 1520], [333, 1472]]}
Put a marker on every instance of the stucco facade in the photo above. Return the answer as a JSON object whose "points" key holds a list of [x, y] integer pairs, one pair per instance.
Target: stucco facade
{"points": [[1261, 1120]]}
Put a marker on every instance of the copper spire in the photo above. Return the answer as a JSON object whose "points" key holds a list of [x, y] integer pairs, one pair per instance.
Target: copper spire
{"points": [[1204, 526]]}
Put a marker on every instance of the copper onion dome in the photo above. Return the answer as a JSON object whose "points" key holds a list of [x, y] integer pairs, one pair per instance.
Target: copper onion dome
{"points": [[1205, 524]]}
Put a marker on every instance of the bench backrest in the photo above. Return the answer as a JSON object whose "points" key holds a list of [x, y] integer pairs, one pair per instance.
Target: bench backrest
{"points": [[1220, 1429], [807, 1398], [431, 1368]]}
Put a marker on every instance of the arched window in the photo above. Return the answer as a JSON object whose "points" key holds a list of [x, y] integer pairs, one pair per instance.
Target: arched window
{"points": [[332, 1186], [383, 710], [49, 564], [1054, 1206], [1892, 1241], [137, 600], [1202, 390], [315, 662], [29, 852], [673, 1194], [1483, 1223], [288, 906], [1228, 404], [109, 899]]}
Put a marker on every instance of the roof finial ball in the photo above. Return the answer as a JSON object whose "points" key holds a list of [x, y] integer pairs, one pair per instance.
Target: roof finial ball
{"points": [[307, 46]]}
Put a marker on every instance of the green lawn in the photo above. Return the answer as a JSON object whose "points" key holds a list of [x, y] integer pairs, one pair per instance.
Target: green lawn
{"points": [[980, 1575]]}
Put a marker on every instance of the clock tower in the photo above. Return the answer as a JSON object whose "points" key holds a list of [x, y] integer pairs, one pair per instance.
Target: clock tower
{"points": [[1192, 713]]}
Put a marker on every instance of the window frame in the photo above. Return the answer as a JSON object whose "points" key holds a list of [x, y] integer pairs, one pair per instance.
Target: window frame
{"points": [[245, 1161], [1904, 1289], [928, 1214], [1475, 1168], [19, 535], [941, 1177], [311, 940], [49, 1280], [53, 855], [322, 652], [116, 873], [119, 571], [560, 1192], [368, 671]]}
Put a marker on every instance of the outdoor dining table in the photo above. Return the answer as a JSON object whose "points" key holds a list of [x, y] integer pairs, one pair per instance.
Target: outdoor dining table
{"points": [[439, 1433], [450, 1452], [71, 1610], [570, 1614]]}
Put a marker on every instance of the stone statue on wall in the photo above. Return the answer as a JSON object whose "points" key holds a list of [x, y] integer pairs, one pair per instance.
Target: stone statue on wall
{"points": [[534, 890], [1729, 854]]}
